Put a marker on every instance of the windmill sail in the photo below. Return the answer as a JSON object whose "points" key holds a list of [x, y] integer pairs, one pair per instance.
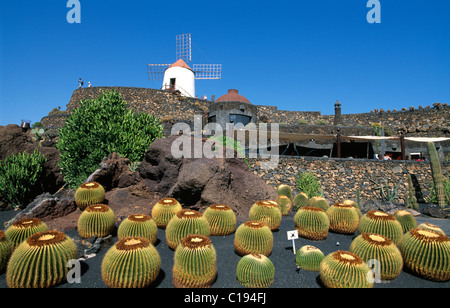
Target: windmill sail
{"points": [[208, 71]]}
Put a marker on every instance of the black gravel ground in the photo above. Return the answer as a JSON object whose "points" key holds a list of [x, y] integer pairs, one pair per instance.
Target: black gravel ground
{"points": [[283, 258]]}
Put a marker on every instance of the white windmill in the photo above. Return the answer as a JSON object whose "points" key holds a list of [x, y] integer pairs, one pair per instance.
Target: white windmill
{"points": [[179, 75]]}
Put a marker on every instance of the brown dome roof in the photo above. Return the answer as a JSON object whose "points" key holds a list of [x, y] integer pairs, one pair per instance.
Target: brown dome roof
{"points": [[233, 96]]}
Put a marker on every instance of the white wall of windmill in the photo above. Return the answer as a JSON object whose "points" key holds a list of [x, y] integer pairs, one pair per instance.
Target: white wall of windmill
{"points": [[183, 78]]}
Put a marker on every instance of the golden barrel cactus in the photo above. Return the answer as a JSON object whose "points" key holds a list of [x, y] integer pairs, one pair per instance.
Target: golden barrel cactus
{"points": [[381, 223], [138, 225], [96, 220], [185, 222], [312, 223], [22, 229], [164, 210], [88, 194], [344, 218], [221, 219], [266, 212], [253, 237]]}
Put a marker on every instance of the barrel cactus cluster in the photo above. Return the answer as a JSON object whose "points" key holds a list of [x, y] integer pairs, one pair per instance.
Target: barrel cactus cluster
{"points": [[88, 194], [96, 220]]}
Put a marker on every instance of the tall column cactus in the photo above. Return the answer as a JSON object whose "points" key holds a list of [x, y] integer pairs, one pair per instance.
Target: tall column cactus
{"points": [[436, 172]]}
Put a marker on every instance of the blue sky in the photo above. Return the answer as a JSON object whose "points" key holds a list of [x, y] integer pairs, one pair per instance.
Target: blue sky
{"points": [[297, 55]]}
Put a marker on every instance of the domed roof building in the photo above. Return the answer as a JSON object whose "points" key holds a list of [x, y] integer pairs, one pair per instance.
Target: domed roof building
{"points": [[232, 108]]}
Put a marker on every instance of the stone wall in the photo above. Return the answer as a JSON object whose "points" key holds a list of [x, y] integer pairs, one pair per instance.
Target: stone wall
{"points": [[340, 178]]}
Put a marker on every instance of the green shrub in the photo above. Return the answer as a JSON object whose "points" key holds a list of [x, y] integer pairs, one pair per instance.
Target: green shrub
{"points": [[308, 183], [99, 127], [18, 177]]}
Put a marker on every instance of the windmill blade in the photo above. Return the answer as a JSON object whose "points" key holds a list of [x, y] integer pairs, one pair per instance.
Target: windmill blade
{"points": [[208, 71], [183, 49], [156, 71]]}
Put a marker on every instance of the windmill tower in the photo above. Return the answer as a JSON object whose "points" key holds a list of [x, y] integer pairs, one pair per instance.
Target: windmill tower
{"points": [[179, 76]]}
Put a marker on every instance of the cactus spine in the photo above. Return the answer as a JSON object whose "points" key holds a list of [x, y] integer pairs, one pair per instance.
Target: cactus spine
{"points": [[436, 172], [221, 219], [374, 246], [427, 253], [185, 222], [96, 220], [5, 250], [312, 223], [88, 194], [343, 218], [343, 269], [406, 219], [309, 258], [20, 230], [194, 262], [138, 225], [381, 223], [266, 212], [253, 237], [40, 261], [164, 210], [255, 271], [131, 263]]}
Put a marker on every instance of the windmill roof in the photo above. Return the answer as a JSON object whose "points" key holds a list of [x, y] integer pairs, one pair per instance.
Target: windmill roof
{"points": [[233, 96], [180, 63]]}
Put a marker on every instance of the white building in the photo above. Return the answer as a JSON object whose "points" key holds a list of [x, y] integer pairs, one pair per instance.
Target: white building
{"points": [[179, 76]]}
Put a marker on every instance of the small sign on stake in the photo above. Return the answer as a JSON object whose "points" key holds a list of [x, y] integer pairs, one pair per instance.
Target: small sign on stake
{"points": [[292, 235]]}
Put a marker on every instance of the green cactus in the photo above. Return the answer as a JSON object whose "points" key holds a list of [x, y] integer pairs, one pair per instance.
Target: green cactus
{"points": [[374, 246], [319, 202], [88, 194], [284, 204], [164, 210], [41, 260], [406, 219], [221, 219], [343, 269], [427, 254], [266, 212], [300, 201], [312, 223], [429, 226], [344, 218], [410, 196], [186, 222], [5, 250], [436, 172], [285, 190], [381, 223], [309, 258], [255, 271], [194, 262], [253, 237], [96, 220], [131, 263], [138, 225], [355, 206], [20, 230]]}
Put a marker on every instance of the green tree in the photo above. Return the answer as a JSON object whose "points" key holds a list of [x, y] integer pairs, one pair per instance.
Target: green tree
{"points": [[99, 127]]}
